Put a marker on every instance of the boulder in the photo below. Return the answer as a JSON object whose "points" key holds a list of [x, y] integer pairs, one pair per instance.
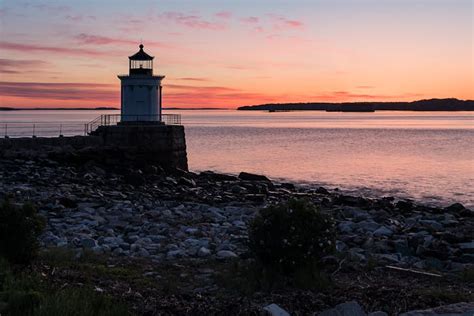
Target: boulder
{"points": [[456, 207], [459, 309], [275, 310], [404, 206], [345, 309], [88, 243], [203, 252], [253, 177], [226, 254], [383, 231]]}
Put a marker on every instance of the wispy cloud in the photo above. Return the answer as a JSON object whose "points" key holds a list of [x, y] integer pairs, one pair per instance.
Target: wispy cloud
{"points": [[281, 22], [46, 7], [192, 79], [80, 18], [84, 38], [201, 89], [192, 21], [13, 66], [341, 96], [224, 14], [250, 20], [50, 49], [60, 91]]}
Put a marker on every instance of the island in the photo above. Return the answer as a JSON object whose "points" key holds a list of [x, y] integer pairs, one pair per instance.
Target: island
{"points": [[451, 104]]}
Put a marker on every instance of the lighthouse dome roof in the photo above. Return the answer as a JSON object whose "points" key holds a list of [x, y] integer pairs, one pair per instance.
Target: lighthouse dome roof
{"points": [[141, 55]]}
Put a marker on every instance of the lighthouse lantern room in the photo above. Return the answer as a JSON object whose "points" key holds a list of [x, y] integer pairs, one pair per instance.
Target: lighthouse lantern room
{"points": [[140, 90]]}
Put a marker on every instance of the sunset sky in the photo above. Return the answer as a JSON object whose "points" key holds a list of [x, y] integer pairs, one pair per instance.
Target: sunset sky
{"points": [[230, 53]]}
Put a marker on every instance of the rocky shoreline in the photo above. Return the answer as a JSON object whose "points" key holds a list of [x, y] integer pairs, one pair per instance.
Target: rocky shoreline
{"points": [[155, 218]]}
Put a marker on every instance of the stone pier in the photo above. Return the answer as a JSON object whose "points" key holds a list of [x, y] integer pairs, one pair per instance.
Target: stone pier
{"points": [[123, 144]]}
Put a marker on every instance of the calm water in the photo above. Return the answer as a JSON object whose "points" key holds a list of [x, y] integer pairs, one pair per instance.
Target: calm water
{"points": [[428, 156]]}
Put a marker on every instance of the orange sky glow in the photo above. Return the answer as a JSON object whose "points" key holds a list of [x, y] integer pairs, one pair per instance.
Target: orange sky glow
{"points": [[233, 53]]}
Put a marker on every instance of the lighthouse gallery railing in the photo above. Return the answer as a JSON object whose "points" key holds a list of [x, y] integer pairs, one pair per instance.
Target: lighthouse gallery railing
{"points": [[113, 119]]}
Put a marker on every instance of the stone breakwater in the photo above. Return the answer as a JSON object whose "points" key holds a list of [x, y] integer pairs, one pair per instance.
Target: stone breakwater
{"points": [[119, 145], [164, 216]]}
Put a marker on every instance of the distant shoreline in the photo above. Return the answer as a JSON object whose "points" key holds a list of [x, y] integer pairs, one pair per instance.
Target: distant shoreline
{"points": [[446, 105]]}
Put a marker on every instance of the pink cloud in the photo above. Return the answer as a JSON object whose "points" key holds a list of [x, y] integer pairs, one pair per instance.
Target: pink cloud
{"points": [[80, 18], [351, 96], [281, 22], [49, 49], [13, 66], [201, 89], [60, 91], [192, 21], [84, 38], [192, 79], [250, 20], [224, 14]]}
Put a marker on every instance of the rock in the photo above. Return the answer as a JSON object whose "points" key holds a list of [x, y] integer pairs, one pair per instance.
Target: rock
{"points": [[143, 253], [236, 189], [456, 207], [322, 190], [253, 177], [383, 231], [275, 310], [217, 176], [368, 225], [88, 243], [356, 255], [187, 182], [351, 200], [191, 230], [175, 254], [260, 198], [345, 227], [226, 254], [467, 247], [378, 313], [134, 178], [345, 309], [404, 206], [203, 252], [67, 202], [459, 309], [432, 224], [288, 186]]}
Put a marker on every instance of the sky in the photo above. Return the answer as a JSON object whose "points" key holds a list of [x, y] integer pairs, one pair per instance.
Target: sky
{"points": [[216, 53]]}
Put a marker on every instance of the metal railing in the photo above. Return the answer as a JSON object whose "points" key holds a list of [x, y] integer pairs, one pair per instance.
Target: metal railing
{"points": [[52, 129], [113, 119], [42, 129]]}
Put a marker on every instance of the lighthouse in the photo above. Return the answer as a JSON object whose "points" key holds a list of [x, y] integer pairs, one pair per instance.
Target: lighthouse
{"points": [[141, 91]]}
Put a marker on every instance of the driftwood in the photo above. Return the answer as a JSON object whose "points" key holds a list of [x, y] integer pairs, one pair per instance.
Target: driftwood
{"points": [[414, 271]]}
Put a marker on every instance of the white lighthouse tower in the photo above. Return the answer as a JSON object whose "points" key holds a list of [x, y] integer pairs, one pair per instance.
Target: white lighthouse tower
{"points": [[141, 90]]}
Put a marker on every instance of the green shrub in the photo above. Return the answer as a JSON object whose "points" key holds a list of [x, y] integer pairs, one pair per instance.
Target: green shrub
{"points": [[26, 293], [19, 231], [80, 301], [292, 236]]}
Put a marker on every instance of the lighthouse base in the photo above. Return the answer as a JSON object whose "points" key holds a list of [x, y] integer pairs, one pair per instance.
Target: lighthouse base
{"points": [[147, 144], [123, 146]]}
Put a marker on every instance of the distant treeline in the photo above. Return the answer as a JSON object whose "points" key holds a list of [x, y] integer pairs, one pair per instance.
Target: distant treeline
{"points": [[421, 105]]}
